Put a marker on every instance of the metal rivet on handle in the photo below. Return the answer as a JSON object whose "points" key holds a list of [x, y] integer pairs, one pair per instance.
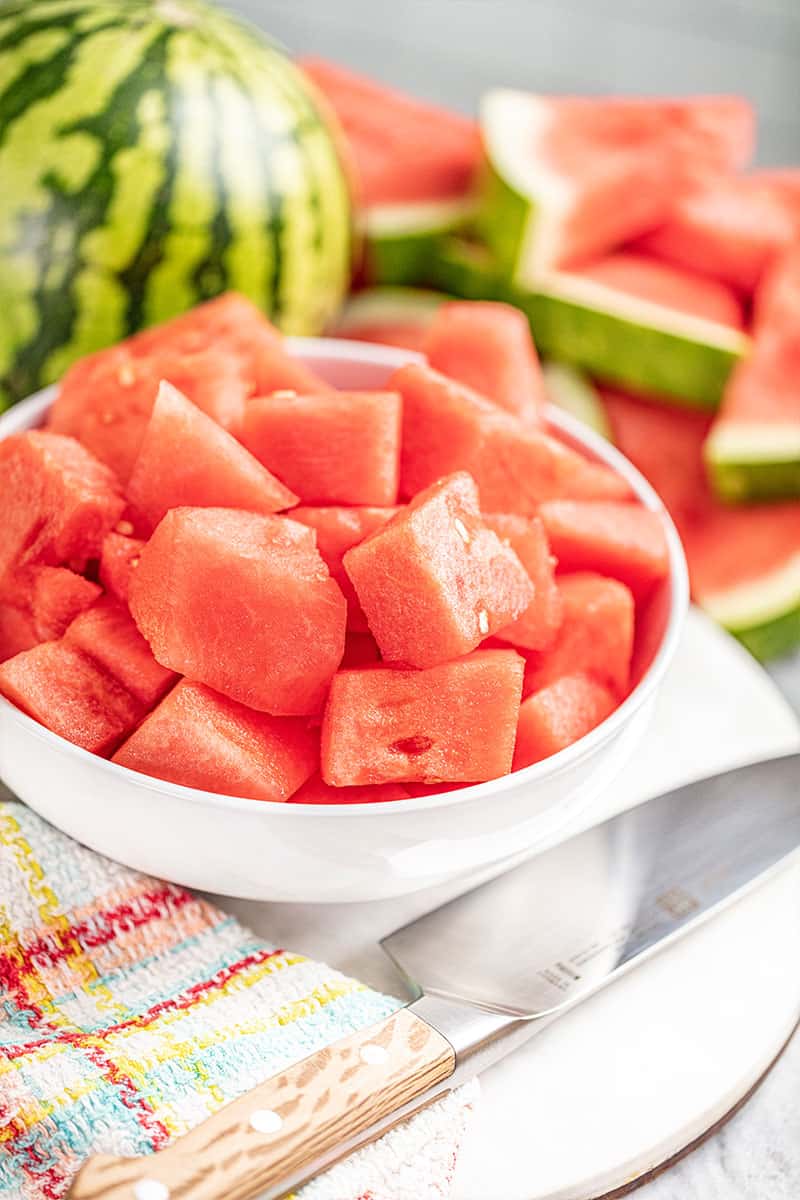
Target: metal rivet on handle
{"points": [[373, 1054], [150, 1189], [264, 1120]]}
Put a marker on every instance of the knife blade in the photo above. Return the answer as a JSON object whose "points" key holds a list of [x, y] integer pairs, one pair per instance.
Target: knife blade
{"points": [[490, 969]]}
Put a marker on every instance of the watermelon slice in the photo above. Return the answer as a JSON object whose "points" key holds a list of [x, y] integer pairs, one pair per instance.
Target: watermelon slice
{"points": [[119, 558], [109, 412], [456, 721], [186, 459], [488, 347], [339, 448], [243, 603], [316, 791], [390, 316], [435, 581], [67, 692], [447, 427], [595, 638], [625, 541], [570, 178], [59, 501], [203, 740], [338, 530], [106, 633], [537, 627], [414, 167], [559, 714], [572, 392]]}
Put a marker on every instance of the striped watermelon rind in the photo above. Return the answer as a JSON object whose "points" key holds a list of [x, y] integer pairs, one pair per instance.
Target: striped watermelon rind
{"points": [[572, 392], [748, 460], [398, 239], [763, 613], [154, 153]]}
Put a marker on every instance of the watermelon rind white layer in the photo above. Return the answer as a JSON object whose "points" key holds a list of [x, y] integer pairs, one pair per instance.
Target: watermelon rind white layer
{"points": [[382, 305], [399, 238], [572, 392], [763, 613], [754, 460]]}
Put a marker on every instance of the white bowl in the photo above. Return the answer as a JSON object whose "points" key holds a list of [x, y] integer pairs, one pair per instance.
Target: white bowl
{"points": [[268, 851]]}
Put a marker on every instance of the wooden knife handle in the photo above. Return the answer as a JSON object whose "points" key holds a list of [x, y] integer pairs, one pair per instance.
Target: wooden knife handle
{"points": [[285, 1124]]}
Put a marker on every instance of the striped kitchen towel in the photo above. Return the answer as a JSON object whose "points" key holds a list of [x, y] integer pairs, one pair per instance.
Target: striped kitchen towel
{"points": [[130, 1010]]}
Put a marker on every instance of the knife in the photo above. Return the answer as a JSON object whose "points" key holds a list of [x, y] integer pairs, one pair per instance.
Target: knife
{"points": [[490, 969]]}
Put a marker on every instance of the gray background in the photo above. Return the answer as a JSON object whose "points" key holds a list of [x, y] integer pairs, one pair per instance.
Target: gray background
{"points": [[452, 50]]}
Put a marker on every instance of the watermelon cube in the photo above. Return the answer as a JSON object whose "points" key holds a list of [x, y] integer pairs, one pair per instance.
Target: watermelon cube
{"points": [[56, 597], [316, 791], [596, 635], [106, 633], [17, 630], [337, 448], [622, 540], [434, 581], [338, 530], [244, 603], [559, 714], [489, 347], [456, 721], [108, 411], [59, 501], [187, 459], [68, 692], [537, 627], [448, 427], [200, 739], [119, 558]]}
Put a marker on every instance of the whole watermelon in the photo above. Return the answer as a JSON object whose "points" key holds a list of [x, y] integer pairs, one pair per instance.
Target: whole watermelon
{"points": [[154, 153]]}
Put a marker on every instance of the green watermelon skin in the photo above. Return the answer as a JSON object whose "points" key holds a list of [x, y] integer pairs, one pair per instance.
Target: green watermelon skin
{"points": [[154, 153]]}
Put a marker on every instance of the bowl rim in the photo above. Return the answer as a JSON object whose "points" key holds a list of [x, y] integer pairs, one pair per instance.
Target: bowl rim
{"points": [[26, 414]]}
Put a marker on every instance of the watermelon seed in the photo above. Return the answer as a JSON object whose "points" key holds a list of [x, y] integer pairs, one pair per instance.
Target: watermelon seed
{"points": [[126, 376], [483, 621], [285, 394], [461, 530], [125, 528], [418, 744]]}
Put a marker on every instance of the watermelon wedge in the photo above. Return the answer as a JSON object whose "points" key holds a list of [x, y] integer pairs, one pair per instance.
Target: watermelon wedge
{"points": [[187, 459], [777, 301], [390, 316], [201, 739], [434, 581], [559, 714], [571, 178], [453, 722], [414, 165]]}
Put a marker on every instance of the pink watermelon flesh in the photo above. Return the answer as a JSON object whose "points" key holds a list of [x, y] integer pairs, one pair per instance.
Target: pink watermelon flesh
{"points": [[316, 791], [456, 721], [338, 530], [59, 502], [339, 448], [777, 301], [243, 603], [434, 581], [201, 739], [596, 635], [119, 558], [17, 630], [360, 650], [489, 348], [671, 286], [188, 460], [106, 633], [622, 540], [448, 427], [402, 150], [70, 694], [57, 597], [537, 627], [558, 715], [765, 387]]}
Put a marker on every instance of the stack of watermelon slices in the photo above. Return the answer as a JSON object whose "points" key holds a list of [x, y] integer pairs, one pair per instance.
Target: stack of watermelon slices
{"points": [[648, 259], [258, 585]]}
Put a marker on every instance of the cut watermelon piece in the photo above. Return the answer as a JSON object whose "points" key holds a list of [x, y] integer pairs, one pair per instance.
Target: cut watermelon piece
{"points": [[390, 316], [338, 530], [17, 631], [119, 558], [414, 167], [753, 451], [671, 287], [200, 739], [558, 715], [434, 581], [59, 501], [243, 603], [57, 597], [488, 347], [316, 791], [340, 448], [572, 392], [106, 633], [570, 178], [537, 627], [456, 721], [188, 460], [625, 541], [729, 229], [68, 693], [109, 413], [595, 638], [448, 427], [777, 302]]}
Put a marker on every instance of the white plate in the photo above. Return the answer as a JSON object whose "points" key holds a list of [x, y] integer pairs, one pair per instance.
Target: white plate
{"points": [[636, 1074]]}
